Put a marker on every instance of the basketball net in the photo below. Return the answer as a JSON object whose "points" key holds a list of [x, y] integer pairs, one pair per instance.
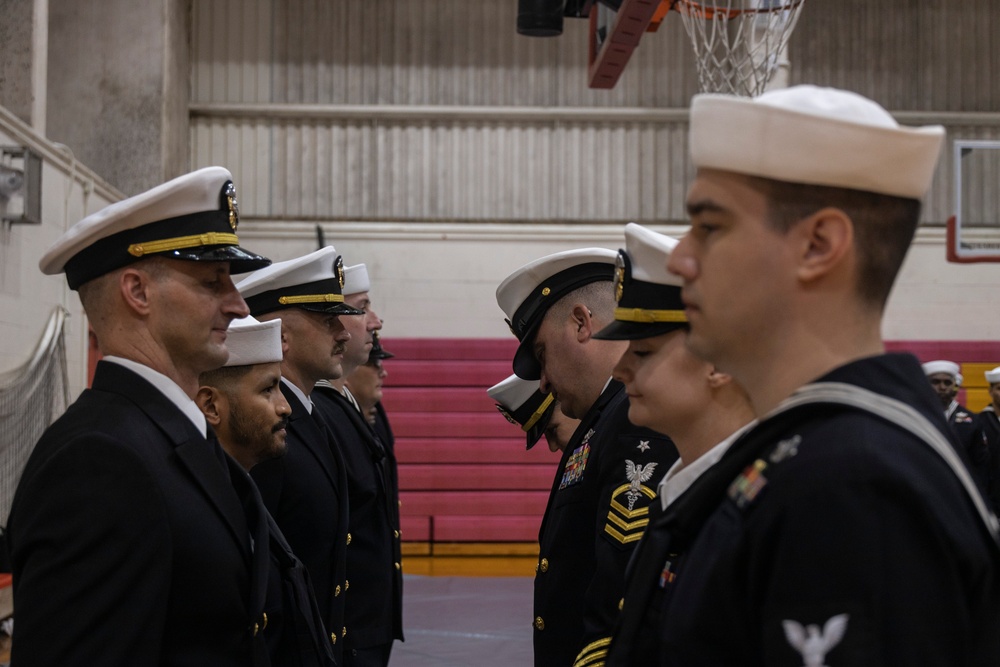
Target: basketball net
{"points": [[739, 45]]}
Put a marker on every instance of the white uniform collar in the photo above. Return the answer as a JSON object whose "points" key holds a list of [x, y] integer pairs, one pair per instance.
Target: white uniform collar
{"points": [[951, 409], [678, 479], [170, 390], [304, 399]]}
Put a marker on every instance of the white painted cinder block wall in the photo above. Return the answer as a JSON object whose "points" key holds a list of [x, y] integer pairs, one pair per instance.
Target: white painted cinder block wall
{"points": [[69, 192], [439, 281]]}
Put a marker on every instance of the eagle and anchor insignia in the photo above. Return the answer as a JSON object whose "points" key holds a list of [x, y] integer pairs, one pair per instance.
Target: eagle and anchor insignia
{"points": [[626, 522]]}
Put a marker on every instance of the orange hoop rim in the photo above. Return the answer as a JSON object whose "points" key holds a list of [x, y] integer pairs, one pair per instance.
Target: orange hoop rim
{"points": [[698, 10]]}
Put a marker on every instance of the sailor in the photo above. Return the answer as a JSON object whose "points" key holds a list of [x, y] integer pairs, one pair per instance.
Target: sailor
{"points": [[243, 403], [130, 532], [987, 436], [946, 379], [374, 606], [306, 489], [671, 390], [842, 529], [597, 508]]}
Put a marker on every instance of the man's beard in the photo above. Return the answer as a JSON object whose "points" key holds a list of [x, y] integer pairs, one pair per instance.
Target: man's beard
{"points": [[256, 436]]}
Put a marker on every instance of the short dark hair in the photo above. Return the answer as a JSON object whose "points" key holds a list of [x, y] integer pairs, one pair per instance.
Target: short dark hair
{"points": [[884, 226], [223, 378]]}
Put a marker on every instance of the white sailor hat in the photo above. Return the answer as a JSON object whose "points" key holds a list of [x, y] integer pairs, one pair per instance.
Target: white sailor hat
{"points": [[648, 296], [193, 217], [993, 376], [356, 279], [527, 294], [818, 136], [522, 403], [942, 366], [251, 342], [313, 282]]}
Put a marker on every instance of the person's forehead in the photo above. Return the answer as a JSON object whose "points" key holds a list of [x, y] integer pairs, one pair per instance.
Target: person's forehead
{"points": [[358, 298], [722, 187], [941, 377]]}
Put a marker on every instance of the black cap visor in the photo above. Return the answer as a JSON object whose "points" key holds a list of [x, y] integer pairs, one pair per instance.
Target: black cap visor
{"points": [[525, 364], [619, 330], [536, 432], [240, 260]]}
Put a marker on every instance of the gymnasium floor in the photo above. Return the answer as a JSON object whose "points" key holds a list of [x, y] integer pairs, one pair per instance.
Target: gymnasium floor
{"points": [[459, 621], [473, 611]]}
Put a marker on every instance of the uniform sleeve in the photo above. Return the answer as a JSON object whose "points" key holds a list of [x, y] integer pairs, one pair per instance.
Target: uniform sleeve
{"points": [[857, 574], [91, 556], [634, 466]]}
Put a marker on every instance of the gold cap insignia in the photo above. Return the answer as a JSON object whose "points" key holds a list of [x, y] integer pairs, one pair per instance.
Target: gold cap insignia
{"points": [[338, 266], [229, 191], [619, 277], [507, 415]]}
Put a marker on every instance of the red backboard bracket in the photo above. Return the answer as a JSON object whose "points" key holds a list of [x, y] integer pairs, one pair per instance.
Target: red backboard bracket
{"points": [[608, 57]]}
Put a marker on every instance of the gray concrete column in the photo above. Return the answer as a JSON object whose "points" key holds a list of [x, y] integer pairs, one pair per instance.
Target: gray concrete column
{"points": [[118, 87], [23, 56]]}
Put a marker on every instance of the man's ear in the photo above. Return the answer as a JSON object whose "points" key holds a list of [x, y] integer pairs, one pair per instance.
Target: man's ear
{"points": [[208, 400], [583, 321], [827, 240], [134, 284]]}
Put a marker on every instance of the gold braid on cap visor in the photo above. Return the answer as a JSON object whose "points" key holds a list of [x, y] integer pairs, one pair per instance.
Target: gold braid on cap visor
{"points": [[644, 315], [537, 414], [311, 298], [180, 242]]}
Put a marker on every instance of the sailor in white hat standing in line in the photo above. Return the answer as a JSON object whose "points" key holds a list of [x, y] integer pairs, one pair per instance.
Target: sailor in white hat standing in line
{"points": [[373, 611], [128, 536], [842, 529], [600, 497], [306, 490], [946, 379], [243, 403]]}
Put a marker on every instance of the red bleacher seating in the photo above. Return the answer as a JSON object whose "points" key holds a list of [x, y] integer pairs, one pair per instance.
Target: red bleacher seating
{"points": [[464, 474]]}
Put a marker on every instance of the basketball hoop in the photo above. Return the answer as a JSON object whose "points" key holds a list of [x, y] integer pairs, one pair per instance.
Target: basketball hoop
{"points": [[739, 45]]}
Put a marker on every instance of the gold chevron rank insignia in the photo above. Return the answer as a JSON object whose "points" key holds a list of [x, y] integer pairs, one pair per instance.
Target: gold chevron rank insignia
{"points": [[626, 521], [593, 654]]}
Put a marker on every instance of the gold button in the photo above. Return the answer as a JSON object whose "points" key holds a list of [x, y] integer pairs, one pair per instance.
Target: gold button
{"points": [[336, 591], [347, 584], [539, 623], [545, 292], [396, 533], [255, 629], [333, 637], [621, 603], [398, 566], [348, 538], [264, 627], [544, 567], [344, 633]]}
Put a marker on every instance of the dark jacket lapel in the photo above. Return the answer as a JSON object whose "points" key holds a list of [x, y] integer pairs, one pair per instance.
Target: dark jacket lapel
{"points": [[198, 455], [309, 431]]}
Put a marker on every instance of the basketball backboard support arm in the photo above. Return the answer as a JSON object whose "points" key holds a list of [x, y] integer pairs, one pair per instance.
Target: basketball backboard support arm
{"points": [[614, 36]]}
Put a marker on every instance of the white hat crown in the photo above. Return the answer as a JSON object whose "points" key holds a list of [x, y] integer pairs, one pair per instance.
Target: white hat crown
{"points": [[812, 135], [252, 342], [648, 252], [356, 279]]}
